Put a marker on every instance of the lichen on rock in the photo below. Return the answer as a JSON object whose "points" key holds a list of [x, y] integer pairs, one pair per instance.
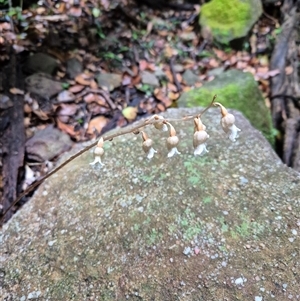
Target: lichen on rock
{"points": [[216, 227]]}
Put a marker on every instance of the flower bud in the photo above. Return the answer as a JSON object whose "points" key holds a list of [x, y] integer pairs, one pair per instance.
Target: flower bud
{"points": [[172, 141], [200, 137], [98, 152], [227, 123], [159, 125], [147, 146]]}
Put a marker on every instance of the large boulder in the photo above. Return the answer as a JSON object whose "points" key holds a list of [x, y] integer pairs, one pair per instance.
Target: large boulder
{"points": [[228, 20], [224, 226], [236, 90]]}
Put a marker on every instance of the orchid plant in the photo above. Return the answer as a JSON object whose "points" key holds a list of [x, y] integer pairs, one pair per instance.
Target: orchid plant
{"points": [[160, 123]]}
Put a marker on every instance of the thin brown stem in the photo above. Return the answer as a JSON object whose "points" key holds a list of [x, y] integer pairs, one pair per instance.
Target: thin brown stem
{"points": [[129, 130]]}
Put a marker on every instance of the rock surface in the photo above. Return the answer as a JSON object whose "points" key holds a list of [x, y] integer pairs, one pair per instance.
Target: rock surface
{"points": [[47, 144], [109, 81], [236, 90], [43, 85], [224, 226], [40, 62], [229, 20]]}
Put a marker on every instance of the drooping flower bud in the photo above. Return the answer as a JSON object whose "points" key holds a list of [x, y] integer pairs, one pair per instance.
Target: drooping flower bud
{"points": [[227, 123], [200, 137], [147, 146], [98, 152], [159, 125], [172, 142]]}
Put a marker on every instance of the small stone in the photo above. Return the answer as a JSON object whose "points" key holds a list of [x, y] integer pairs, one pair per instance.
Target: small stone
{"points": [[262, 289], [171, 260], [33, 295], [190, 78], [74, 67], [51, 243], [42, 85], [65, 96], [294, 231], [196, 250], [47, 144], [149, 78], [291, 239], [23, 298], [109, 81], [239, 281], [40, 62], [243, 180], [284, 285], [258, 298], [187, 251], [5, 102]]}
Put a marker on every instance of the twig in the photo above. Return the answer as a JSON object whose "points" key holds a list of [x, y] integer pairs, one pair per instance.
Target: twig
{"points": [[176, 82], [132, 129]]}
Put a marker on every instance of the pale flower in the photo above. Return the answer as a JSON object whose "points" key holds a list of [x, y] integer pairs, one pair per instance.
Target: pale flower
{"points": [[147, 146], [200, 149], [200, 137], [227, 123], [173, 151], [172, 142], [98, 153]]}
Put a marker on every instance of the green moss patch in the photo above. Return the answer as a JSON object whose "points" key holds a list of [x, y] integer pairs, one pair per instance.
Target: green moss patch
{"points": [[237, 90], [228, 20]]}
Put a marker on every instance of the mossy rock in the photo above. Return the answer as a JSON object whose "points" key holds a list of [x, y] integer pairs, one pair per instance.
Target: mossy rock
{"points": [[229, 20], [237, 90]]}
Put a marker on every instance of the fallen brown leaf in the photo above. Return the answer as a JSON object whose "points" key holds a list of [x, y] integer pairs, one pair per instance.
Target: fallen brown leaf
{"points": [[16, 91], [67, 128], [289, 70], [97, 124], [76, 88], [82, 79]]}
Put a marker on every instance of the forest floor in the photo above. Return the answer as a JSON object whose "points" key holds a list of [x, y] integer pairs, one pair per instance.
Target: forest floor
{"points": [[108, 63]]}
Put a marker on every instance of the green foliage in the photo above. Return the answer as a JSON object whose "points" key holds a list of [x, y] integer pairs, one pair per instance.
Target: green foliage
{"points": [[16, 12], [65, 85]]}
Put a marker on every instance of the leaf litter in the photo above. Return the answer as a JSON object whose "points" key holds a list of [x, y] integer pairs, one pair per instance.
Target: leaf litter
{"points": [[132, 60]]}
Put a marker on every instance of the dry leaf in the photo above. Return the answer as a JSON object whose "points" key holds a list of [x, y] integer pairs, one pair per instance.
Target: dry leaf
{"points": [[130, 113], [143, 65], [93, 84], [289, 70], [160, 95], [75, 11], [97, 124], [173, 96], [82, 79], [67, 109], [67, 128], [76, 88], [65, 96], [89, 98], [126, 80], [16, 91]]}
